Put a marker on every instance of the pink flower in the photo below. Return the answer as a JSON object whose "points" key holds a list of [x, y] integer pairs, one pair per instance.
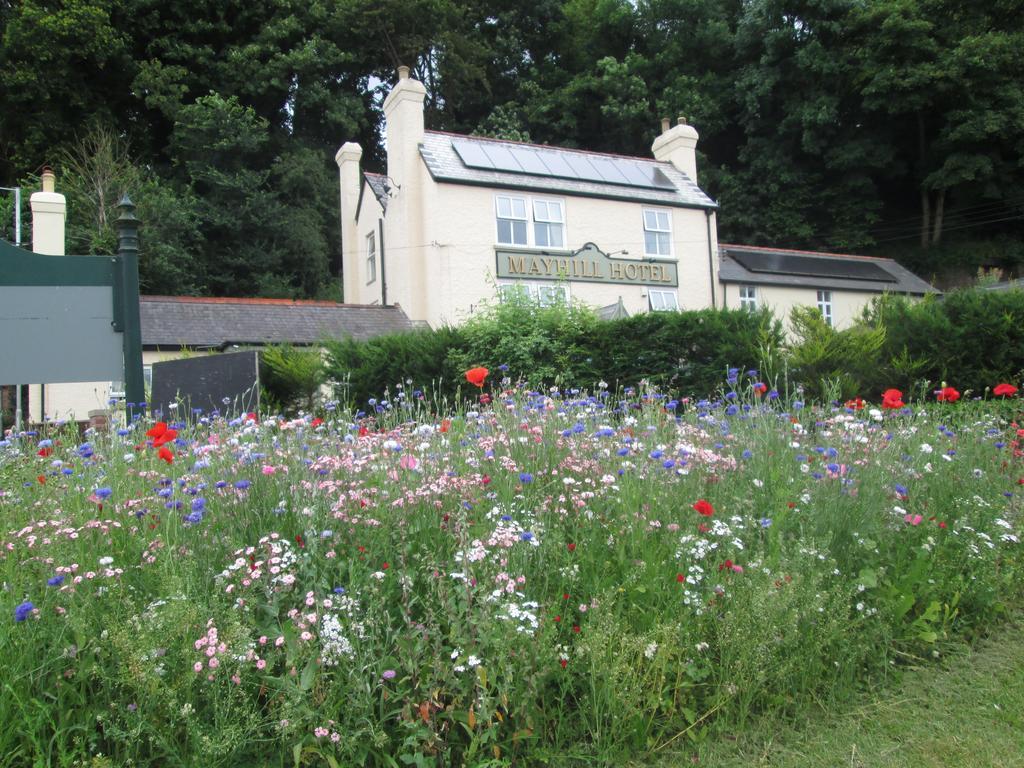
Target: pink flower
{"points": [[268, 470], [198, 666], [261, 663], [913, 519]]}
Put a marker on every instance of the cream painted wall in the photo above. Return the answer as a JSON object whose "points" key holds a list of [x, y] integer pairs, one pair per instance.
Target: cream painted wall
{"points": [[357, 273], [458, 244], [846, 305]]}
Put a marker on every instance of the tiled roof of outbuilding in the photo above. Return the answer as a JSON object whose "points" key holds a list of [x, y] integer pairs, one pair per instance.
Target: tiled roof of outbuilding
{"points": [[445, 165], [185, 321], [828, 270]]}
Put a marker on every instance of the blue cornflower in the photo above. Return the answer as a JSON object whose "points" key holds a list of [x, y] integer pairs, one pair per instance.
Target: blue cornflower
{"points": [[623, 451], [817, 475], [22, 611], [1000, 445], [656, 454], [730, 395], [85, 450], [773, 394], [668, 464], [901, 489], [46, 443], [526, 536], [198, 504], [165, 492], [103, 493], [833, 468], [242, 484], [732, 410], [525, 477], [506, 518], [194, 517], [798, 404], [55, 581], [221, 484], [339, 590], [747, 454], [766, 522], [801, 458]]}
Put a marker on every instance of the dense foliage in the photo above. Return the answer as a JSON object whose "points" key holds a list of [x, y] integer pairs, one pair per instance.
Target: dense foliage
{"points": [[559, 578], [973, 337], [558, 344], [896, 125]]}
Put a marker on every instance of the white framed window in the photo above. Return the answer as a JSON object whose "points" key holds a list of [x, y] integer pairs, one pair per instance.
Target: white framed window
{"points": [[548, 224], [532, 222], [825, 306], [545, 294], [512, 220], [748, 297], [657, 232], [371, 258], [663, 301]]}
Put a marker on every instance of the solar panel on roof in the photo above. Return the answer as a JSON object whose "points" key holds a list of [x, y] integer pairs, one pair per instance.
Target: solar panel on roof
{"points": [[471, 154], [529, 161], [562, 164], [811, 266], [502, 158], [556, 164], [609, 170]]}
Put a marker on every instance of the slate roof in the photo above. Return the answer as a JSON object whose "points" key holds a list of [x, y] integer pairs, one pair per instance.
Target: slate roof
{"points": [[445, 165], [904, 281], [378, 184], [184, 321]]}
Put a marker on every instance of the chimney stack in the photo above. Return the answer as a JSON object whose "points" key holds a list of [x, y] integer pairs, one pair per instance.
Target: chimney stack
{"points": [[403, 118], [678, 145], [49, 210]]}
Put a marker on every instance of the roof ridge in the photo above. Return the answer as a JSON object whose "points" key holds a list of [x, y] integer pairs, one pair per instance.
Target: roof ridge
{"points": [[259, 301], [550, 146], [726, 246]]}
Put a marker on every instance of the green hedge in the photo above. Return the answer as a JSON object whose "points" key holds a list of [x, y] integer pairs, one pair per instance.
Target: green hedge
{"points": [[971, 339], [558, 345]]}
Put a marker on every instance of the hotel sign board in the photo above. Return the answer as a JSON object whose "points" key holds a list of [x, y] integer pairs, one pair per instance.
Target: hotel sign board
{"points": [[587, 265]]}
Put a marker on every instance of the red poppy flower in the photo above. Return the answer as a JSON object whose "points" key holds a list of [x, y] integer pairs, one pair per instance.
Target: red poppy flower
{"points": [[558, 619], [856, 404], [476, 376], [44, 451], [299, 540], [363, 431], [316, 422], [680, 578], [576, 628], [563, 662], [486, 479], [168, 436], [892, 399], [165, 454], [446, 424], [1004, 390], [41, 479], [704, 508], [947, 395], [157, 429], [571, 547]]}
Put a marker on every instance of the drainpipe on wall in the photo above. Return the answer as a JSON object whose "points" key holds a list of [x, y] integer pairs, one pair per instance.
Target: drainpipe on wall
{"points": [[383, 274], [711, 257]]}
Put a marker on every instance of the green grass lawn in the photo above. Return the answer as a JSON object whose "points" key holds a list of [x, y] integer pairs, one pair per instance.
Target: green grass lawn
{"points": [[967, 710]]}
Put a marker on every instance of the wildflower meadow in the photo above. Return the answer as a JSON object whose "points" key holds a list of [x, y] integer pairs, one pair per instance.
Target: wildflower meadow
{"points": [[535, 577]]}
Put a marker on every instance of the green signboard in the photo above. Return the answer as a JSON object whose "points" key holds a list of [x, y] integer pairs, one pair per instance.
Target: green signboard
{"points": [[73, 318], [588, 265]]}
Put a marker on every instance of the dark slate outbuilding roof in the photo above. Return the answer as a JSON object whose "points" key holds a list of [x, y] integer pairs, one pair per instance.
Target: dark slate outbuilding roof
{"points": [[829, 269], [445, 165], [378, 184], [184, 321]]}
